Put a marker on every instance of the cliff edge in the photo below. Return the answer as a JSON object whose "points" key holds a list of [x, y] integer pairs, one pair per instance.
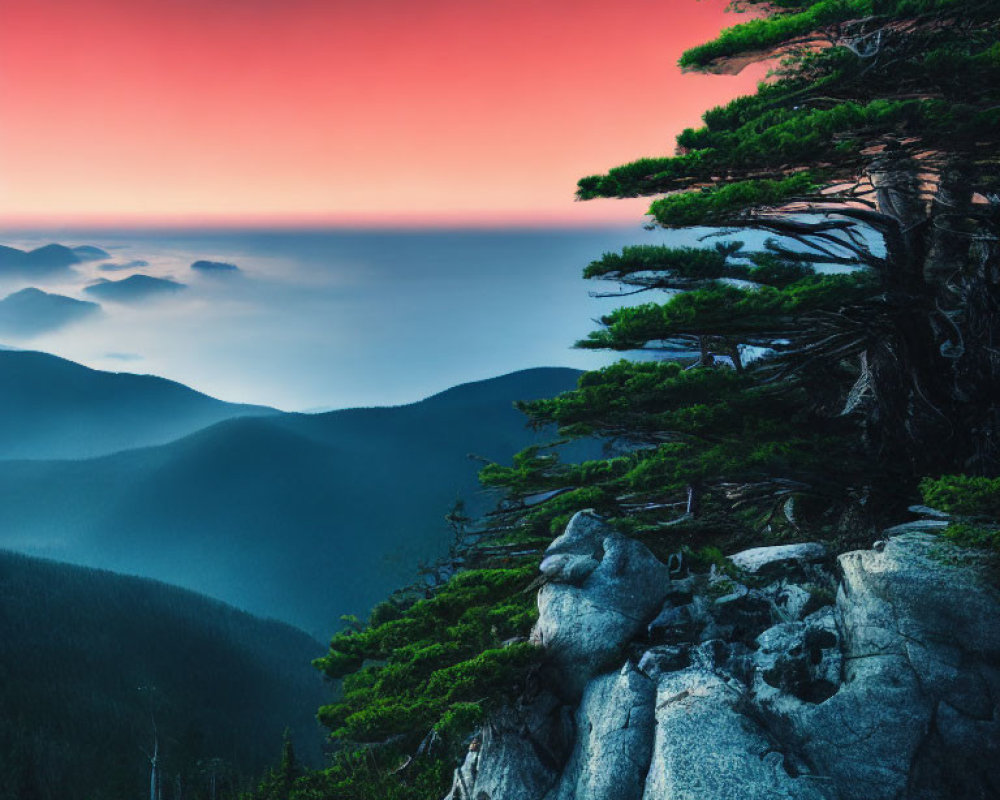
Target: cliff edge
{"points": [[789, 674]]}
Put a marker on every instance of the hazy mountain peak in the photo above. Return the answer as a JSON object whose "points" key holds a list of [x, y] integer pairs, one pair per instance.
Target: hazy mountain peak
{"points": [[45, 259], [214, 266], [133, 288], [32, 311], [54, 408], [86, 252]]}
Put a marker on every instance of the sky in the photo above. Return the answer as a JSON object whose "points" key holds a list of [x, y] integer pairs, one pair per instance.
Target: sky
{"points": [[367, 112]]}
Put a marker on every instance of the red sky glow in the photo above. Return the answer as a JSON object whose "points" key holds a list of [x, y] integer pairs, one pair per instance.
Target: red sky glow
{"points": [[364, 111]]}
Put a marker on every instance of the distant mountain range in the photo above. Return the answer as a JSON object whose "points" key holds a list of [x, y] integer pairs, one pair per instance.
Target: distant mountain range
{"points": [[30, 312], [53, 408], [214, 266], [89, 659], [133, 288], [300, 517], [47, 259], [87, 252]]}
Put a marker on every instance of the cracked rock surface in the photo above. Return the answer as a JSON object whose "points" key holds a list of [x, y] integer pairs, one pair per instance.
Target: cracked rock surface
{"points": [[614, 739], [585, 624], [761, 686]]}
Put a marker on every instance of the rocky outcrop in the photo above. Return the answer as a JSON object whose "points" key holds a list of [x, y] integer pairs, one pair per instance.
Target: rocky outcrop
{"points": [[602, 590], [921, 679], [707, 746], [764, 560], [519, 752], [873, 678], [615, 728]]}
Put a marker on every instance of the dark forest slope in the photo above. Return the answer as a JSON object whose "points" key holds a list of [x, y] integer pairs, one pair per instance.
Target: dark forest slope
{"points": [[77, 644]]}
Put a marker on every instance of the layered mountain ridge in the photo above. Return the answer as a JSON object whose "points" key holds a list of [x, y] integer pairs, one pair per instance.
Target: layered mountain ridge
{"points": [[296, 516], [51, 408]]}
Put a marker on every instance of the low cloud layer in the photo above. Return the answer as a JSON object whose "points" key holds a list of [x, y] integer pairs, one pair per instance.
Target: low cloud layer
{"points": [[113, 267]]}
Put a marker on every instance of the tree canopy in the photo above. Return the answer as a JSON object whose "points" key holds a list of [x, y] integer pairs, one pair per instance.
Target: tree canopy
{"points": [[869, 158]]}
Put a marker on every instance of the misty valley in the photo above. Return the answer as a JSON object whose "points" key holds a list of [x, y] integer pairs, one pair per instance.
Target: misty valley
{"points": [[296, 518]]}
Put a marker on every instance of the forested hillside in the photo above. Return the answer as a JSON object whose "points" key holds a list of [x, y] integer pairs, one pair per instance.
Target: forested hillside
{"points": [[90, 661]]}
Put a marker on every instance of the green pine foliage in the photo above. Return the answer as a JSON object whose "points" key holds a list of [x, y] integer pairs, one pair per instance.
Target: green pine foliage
{"points": [[865, 156], [967, 495], [872, 147], [976, 535], [682, 262], [798, 20], [717, 205], [724, 310], [279, 783], [797, 23], [690, 429], [638, 396], [974, 502], [421, 672], [401, 677], [828, 105]]}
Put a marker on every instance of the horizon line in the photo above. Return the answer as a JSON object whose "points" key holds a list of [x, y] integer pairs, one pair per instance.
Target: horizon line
{"points": [[523, 220]]}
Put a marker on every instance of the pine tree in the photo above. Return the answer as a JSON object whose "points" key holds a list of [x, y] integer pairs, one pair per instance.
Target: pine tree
{"points": [[288, 768], [875, 149], [279, 781], [870, 162]]}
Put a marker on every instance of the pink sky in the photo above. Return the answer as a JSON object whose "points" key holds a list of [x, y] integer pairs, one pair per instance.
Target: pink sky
{"points": [[340, 110]]}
